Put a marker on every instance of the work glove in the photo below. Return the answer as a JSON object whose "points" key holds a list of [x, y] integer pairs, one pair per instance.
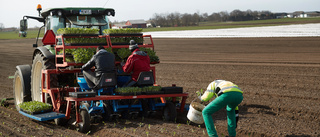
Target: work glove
{"points": [[122, 63], [237, 117]]}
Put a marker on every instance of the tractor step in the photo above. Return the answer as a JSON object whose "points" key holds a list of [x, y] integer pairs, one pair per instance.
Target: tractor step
{"points": [[44, 116]]}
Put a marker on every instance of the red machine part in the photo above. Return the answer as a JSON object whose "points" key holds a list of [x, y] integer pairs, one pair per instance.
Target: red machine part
{"points": [[49, 38]]}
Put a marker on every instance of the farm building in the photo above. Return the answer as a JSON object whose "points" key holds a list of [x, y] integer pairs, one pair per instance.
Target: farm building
{"points": [[136, 23], [302, 14]]}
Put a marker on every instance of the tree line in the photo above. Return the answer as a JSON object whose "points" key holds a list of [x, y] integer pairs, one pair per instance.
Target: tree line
{"points": [[177, 19]]}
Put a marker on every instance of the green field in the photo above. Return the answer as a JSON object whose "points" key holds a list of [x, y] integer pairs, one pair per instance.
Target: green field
{"points": [[15, 34], [241, 24], [202, 25]]}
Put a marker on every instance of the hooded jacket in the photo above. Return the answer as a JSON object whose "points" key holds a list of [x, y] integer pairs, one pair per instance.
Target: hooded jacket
{"points": [[137, 62], [218, 87], [103, 62]]}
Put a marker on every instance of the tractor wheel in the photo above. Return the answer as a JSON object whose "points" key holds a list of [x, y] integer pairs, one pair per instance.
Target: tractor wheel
{"points": [[21, 85], [60, 121], [40, 63], [107, 112], [84, 126], [169, 112]]}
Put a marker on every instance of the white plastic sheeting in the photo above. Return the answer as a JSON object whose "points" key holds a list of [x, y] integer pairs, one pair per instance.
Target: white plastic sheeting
{"points": [[300, 30]]}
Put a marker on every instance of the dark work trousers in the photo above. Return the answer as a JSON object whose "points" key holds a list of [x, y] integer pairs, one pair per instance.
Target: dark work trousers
{"points": [[130, 83], [90, 78]]}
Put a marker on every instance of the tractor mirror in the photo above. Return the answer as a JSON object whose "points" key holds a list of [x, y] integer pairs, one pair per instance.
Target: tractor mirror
{"points": [[23, 25]]}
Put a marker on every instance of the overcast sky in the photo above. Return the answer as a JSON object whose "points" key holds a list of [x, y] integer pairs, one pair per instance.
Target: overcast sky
{"points": [[11, 11]]}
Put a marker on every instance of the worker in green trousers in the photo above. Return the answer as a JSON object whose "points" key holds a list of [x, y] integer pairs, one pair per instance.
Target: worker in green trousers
{"points": [[227, 95]]}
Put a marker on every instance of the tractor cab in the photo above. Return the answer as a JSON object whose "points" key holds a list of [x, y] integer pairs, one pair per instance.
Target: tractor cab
{"points": [[55, 18]]}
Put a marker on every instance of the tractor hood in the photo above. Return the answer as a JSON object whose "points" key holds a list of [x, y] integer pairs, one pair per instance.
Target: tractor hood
{"points": [[78, 11]]}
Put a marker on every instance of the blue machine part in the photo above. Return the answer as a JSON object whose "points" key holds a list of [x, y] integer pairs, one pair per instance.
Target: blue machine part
{"points": [[118, 108], [44, 116], [82, 83], [122, 80]]}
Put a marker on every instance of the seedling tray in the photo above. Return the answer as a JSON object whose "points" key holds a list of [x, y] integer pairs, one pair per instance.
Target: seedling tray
{"points": [[172, 90], [36, 112], [80, 35], [82, 94], [129, 94], [123, 43], [153, 92], [125, 34], [86, 44], [43, 116]]}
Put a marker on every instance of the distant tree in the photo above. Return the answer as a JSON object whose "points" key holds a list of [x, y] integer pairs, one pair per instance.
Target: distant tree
{"points": [[224, 16], [177, 18], [186, 19], [1, 26], [236, 15], [204, 17], [171, 19], [195, 19], [216, 17]]}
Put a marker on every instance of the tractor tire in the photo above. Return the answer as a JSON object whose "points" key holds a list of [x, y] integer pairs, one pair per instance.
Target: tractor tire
{"points": [[60, 121], [169, 112], [40, 63], [21, 85], [84, 126]]}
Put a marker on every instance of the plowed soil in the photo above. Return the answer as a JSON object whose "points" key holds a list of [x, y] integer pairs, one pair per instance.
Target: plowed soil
{"points": [[280, 78]]}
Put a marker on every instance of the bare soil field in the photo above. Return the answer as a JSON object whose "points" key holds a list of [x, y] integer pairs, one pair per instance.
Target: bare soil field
{"points": [[280, 78]]}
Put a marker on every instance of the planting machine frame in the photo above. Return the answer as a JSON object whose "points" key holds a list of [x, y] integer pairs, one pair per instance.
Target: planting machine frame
{"points": [[50, 78]]}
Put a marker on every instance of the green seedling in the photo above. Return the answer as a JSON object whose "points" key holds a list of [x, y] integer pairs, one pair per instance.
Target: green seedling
{"points": [[149, 126], [114, 124], [140, 124], [88, 133], [147, 133], [127, 122], [161, 130], [174, 133], [34, 106], [124, 128], [178, 126], [134, 131], [204, 133], [188, 122]]}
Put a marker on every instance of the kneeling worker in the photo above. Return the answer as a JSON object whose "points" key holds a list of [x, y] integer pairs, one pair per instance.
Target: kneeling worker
{"points": [[228, 95], [103, 61]]}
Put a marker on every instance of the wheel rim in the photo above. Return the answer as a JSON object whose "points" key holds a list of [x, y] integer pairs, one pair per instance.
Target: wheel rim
{"points": [[36, 81], [18, 94]]}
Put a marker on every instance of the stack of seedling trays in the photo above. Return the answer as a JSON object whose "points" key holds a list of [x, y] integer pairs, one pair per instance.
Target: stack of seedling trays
{"points": [[35, 107], [123, 36], [131, 91], [82, 94], [172, 90], [81, 36], [39, 111]]}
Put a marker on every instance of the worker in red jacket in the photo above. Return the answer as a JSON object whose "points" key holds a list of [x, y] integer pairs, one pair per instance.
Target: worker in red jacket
{"points": [[137, 62]]}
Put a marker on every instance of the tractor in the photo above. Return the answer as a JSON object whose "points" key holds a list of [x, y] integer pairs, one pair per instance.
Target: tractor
{"points": [[55, 80]]}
